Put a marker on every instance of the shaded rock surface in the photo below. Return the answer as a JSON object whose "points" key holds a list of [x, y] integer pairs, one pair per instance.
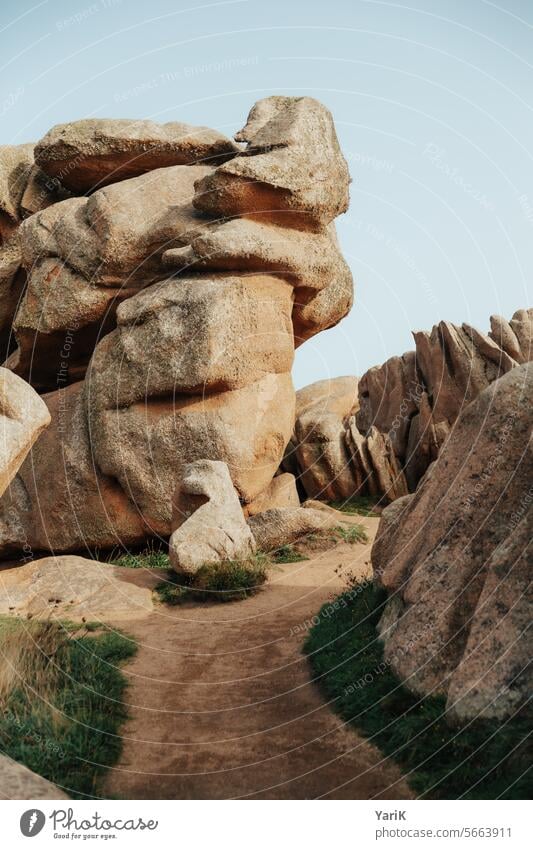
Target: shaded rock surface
{"points": [[207, 519], [453, 558], [280, 494], [24, 190], [71, 587]]}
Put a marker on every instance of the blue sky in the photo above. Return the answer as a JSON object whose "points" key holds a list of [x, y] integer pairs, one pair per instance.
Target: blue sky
{"points": [[432, 103]]}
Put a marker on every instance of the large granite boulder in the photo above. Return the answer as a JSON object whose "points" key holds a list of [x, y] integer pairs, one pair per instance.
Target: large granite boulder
{"points": [[207, 519], [93, 152], [453, 558], [73, 588], [83, 257], [169, 329], [317, 451]]}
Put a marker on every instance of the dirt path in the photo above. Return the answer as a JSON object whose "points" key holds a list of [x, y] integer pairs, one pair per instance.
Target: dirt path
{"points": [[222, 705]]}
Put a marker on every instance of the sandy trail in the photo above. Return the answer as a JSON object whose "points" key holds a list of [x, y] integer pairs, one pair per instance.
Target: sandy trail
{"points": [[222, 705]]}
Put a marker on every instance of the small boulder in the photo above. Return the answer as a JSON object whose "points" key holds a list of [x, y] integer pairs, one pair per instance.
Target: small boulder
{"points": [[452, 557], [275, 528], [207, 519]]}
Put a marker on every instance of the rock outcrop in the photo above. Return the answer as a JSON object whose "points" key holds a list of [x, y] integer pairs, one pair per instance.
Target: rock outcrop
{"points": [[24, 190], [73, 588], [162, 332], [454, 559], [207, 519], [280, 494], [404, 411]]}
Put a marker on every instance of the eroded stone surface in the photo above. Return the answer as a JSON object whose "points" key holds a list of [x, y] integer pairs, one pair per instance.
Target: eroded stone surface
{"points": [[452, 556], [93, 152]]}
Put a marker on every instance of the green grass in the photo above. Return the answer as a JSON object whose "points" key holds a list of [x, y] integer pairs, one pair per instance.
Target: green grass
{"points": [[151, 557], [287, 554], [352, 534], [232, 580], [480, 760], [362, 505], [61, 700]]}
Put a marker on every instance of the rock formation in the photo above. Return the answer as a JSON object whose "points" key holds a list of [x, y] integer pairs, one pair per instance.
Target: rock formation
{"points": [[208, 525], [73, 588], [159, 312], [453, 558], [23, 416], [404, 411]]}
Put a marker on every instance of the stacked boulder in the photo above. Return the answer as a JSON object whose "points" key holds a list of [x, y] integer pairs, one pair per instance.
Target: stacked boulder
{"points": [[382, 442], [160, 309]]}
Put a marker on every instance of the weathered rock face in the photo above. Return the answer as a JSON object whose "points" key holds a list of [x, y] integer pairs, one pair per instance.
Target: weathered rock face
{"points": [[171, 329], [23, 416], [329, 454], [416, 399], [94, 152], [83, 257], [73, 588], [207, 519], [405, 411], [453, 558], [24, 190]]}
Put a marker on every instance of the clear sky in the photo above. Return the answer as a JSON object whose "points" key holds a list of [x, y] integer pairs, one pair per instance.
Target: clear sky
{"points": [[433, 106]]}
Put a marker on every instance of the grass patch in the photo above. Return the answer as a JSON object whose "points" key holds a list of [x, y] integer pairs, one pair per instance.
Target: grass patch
{"points": [[287, 554], [61, 700], [151, 557], [232, 580], [484, 759], [352, 534], [361, 505]]}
